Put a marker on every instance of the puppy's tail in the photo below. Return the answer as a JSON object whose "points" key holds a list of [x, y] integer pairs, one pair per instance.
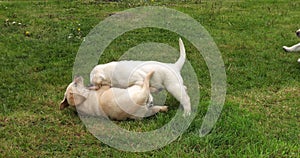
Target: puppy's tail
{"points": [[147, 81], [179, 63]]}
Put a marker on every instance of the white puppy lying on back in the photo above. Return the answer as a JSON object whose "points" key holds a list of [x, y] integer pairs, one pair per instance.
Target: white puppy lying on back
{"points": [[167, 76], [295, 47], [115, 103]]}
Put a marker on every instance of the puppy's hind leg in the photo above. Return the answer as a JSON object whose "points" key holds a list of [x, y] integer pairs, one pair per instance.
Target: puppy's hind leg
{"points": [[179, 92]]}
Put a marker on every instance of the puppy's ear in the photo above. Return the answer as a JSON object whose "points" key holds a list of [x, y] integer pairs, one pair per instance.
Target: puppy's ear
{"points": [[64, 104], [76, 99]]}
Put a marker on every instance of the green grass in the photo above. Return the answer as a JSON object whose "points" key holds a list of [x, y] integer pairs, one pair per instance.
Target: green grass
{"points": [[261, 114]]}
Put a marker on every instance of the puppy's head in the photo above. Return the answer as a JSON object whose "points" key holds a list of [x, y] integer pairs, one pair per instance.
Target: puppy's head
{"points": [[75, 93], [298, 33]]}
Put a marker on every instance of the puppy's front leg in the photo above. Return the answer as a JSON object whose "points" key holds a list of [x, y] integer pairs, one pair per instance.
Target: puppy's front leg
{"points": [[155, 109], [293, 48]]}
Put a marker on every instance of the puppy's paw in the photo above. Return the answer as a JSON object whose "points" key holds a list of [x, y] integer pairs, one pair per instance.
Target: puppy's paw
{"points": [[186, 113], [298, 60], [163, 109], [286, 49]]}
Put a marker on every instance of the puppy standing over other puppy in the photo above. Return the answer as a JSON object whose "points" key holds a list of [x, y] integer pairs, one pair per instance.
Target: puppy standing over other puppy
{"points": [[295, 47], [123, 74], [103, 102]]}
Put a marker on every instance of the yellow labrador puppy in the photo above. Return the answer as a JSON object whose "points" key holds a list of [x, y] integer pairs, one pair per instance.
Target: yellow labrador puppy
{"points": [[114, 103], [123, 74]]}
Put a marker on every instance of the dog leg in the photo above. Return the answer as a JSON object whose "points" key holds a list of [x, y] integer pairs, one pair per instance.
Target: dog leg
{"points": [[179, 92], [144, 111], [293, 48], [155, 109]]}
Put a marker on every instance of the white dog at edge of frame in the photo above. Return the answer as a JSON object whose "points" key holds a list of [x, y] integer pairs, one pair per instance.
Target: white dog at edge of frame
{"points": [[123, 74], [294, 48]]}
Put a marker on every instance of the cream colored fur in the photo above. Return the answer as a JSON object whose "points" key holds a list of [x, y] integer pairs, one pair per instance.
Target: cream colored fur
{"points": [[124, 74], [114, 103]]}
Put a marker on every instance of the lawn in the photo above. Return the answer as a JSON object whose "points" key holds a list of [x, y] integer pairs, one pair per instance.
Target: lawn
{"points": [[39, 41]]}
